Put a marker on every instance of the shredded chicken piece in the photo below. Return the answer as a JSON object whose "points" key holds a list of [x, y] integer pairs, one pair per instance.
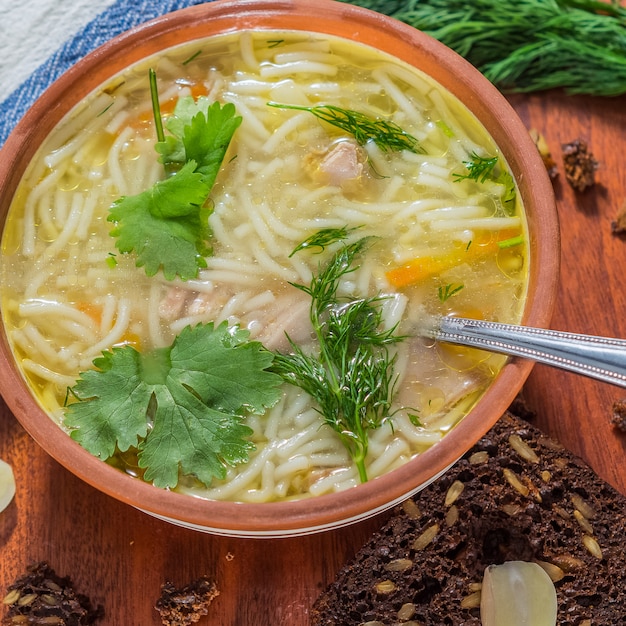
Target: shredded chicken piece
{"points": [[209, 304], [291, 320], [287, 316], [337, 165], [171, 306], [179, 302], [437, 398]]}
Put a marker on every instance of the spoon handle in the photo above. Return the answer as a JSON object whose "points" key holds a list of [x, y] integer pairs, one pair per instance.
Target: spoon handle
{"points": [[602, 358]]}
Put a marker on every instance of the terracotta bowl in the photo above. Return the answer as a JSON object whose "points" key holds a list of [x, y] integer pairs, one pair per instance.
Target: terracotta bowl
{"points": [[454, 73]]}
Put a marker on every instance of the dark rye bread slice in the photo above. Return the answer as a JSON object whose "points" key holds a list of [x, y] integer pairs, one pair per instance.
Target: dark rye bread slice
{"points": [[517, 495]]}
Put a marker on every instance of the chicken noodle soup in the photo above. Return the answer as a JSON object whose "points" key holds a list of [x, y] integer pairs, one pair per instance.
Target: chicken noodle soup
{"points": [[445, 229]]}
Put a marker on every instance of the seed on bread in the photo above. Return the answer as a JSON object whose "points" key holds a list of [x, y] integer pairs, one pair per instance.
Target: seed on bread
{"points": [[514, 480], [523, 449], [455, 490], [426, 537], [592, 545], [582, 506]]}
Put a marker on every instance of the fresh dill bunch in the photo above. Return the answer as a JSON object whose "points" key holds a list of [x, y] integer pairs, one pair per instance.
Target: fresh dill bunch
{"points": [[387, 135], [528, 45], [352, 378]]}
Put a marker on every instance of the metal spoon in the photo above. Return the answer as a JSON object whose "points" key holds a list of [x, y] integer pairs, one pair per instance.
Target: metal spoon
{"points": [[603, 358]]}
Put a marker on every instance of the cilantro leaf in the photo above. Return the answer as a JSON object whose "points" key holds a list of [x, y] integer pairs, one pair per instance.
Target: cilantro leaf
{"points": [[191, 437], [207, 138], [172, 149], [119, 370], [166, 225], [181, 407], [203, 362], [201, 132]]}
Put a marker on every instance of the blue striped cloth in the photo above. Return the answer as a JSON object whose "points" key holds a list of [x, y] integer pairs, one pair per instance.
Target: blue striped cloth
{"points": [[119, 17]]}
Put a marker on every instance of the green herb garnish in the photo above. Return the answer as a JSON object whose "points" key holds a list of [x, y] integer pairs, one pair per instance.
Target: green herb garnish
{"points": [[511, 242], [180, 406], [478, 168], [352, 379], [201, 131], [323, 238], [388, 136], [481, 169], [528, 45], [156, 106], [447, 291], [167, 225], [447, 131], [106, 108], [193, 57]]}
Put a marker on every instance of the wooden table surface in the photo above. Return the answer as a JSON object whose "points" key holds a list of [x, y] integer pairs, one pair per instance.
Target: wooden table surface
{"points": [[119, 556]]}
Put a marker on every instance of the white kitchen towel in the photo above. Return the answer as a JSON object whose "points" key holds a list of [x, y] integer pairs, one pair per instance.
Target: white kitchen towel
{"points": [[41, 39]]}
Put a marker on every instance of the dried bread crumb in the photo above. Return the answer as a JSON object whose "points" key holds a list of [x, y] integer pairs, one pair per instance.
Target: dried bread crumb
{"points": [[185, 605], [618, 225], [618, 418], [40, 596], [580, 164]]}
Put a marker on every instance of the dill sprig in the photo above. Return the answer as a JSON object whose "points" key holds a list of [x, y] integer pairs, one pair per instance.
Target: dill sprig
{"points": [[387, 135], [323, 238], [445, 292], [478, 168], [527, 45], [352, 379], [481, 169]]}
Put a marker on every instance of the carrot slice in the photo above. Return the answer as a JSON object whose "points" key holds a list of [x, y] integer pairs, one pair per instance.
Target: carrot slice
{"points": [[94, 311], [484, 245], [167, 107]]}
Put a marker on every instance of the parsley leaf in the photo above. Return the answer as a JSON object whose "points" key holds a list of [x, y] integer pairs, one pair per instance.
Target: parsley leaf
{"points": [[182, 406]]}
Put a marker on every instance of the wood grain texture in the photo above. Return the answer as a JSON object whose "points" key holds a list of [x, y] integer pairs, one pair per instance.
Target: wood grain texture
{"points": [[120, 557]]}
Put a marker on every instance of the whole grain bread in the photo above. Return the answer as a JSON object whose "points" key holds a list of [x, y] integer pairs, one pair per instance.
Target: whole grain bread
{"points": [[516, 495], [41, 596]]}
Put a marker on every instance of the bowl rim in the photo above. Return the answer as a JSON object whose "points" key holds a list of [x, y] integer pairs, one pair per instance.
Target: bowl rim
{"points": [[277, 519]]}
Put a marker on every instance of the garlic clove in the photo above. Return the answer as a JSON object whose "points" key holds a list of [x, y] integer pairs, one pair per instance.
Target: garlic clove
{"points": [[517, 593], [7, 485]]}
